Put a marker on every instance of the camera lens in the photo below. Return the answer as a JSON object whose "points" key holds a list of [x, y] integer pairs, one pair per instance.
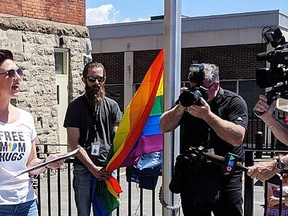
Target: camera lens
{"points": [[188, 98]]}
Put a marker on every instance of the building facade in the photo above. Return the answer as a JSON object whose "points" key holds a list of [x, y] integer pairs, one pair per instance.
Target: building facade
{"points": [[230, 41], [51, 43]]}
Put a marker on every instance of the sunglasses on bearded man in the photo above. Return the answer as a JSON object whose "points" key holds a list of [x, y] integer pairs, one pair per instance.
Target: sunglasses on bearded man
{"points": [[94, 78]]}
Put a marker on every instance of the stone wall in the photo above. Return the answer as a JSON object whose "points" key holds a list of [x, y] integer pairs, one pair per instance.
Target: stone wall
{"points": [[33, 42]]}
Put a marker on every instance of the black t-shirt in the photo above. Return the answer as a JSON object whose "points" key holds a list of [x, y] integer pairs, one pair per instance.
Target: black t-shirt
{"points": [[196, 132], [95, 124]]}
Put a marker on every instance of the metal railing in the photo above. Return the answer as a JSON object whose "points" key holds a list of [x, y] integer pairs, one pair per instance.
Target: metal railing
{"points": [[56, 195]]}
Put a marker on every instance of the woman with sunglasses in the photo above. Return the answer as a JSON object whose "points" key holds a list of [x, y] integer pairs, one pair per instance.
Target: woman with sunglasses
{"points": [[17, 145]]}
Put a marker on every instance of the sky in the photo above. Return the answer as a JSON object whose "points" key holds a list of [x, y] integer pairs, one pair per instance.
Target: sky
{"points": [[100, 12]]}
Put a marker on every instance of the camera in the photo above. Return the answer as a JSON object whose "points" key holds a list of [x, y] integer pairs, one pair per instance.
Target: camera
{"points": [[192, 96], [188, 98], [188, 162], [276, 76], [196, 167]]}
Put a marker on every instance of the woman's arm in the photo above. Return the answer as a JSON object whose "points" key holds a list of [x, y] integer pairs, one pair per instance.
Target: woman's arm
{"points": [[33, 160]]}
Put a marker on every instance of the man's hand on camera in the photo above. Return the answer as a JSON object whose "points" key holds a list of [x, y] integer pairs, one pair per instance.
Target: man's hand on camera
{"points": [[262, 106], [263, 110], [184, 89], [200, 111]]}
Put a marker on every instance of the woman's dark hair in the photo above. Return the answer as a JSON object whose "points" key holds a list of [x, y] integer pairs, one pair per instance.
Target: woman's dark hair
{"points": [[93, 64], [5, 54]]}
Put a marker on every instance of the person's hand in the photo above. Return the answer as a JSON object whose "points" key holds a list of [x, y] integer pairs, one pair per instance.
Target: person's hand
{"points": [[200, 111], [184, 89], [101, 174], [272, 201], [262, 109], [54, 165], [263, 170]]}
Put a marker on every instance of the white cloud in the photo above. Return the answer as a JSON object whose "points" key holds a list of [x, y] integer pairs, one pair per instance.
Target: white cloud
{"points": [[139, 19], [104, 14], [143, 19], [127, 20]]}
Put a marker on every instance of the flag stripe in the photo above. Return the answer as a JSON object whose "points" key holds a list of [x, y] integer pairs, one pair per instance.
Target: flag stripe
{"points": [[137, 113], [157, 108], [152, 126], [148, 144]]}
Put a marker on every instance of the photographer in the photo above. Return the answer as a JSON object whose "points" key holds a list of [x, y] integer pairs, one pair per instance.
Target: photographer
{"points": [[265, 170], [218, 123]]}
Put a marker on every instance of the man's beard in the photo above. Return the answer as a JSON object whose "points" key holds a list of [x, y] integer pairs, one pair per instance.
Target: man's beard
{"points": [[94, 95]]}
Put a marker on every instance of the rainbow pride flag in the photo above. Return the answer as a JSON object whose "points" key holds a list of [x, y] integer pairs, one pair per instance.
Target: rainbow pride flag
{"points": [[139, 117], [138, 133], [151, 139]]}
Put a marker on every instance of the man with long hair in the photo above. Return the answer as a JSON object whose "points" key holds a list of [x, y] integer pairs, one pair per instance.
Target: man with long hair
{"points": [[91, 121]]}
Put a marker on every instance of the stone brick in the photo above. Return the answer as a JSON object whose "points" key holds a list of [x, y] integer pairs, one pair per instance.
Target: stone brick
{"points": [[33, 42]]}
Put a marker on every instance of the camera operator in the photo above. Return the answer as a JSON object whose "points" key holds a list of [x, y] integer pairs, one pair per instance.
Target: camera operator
{"points": [[218, 123], [265, 170], [276, 76]]}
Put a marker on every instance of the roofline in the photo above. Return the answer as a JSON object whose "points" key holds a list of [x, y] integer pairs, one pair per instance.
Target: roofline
{"points": [[273, 18]]}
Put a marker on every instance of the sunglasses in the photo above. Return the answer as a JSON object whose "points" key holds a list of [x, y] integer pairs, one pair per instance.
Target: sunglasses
{"points": [[94, 78], [13, 72], [209, 86]]}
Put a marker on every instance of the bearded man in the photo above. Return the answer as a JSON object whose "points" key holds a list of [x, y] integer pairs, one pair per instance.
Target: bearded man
{"points": [[91, 121]]}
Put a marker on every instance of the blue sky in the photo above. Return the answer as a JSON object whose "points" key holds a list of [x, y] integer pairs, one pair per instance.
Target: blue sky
{"points": [[116, 11]]}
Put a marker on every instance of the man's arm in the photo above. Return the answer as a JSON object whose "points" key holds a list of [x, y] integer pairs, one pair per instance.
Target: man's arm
{"points": [[278, 128], [170, 119], [226, 130], [73, 137]]}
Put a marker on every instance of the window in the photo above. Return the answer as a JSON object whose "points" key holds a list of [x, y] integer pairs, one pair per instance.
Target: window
{"points": [[61, 60], [116, 92], [248, 89]]}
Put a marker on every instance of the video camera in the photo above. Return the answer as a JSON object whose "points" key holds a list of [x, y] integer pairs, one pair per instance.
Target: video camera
{"points": [[194, 160], [276, 76], [196, 75]]}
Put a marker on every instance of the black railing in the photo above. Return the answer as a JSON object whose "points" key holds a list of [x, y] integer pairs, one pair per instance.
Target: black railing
{"points": [[56, 196], [54, 191]]}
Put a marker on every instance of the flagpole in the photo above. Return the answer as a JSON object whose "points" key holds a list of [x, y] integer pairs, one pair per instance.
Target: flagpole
{"points": [[172, 80]]}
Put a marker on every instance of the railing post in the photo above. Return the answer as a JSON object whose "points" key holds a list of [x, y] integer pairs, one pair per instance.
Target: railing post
{"points": [[259, 144], [248, 186]]}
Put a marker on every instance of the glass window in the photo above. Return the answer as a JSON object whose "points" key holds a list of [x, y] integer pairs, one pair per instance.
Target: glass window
{"points": [[116, 92], [61, 60], [229, 85], [249, 90]]}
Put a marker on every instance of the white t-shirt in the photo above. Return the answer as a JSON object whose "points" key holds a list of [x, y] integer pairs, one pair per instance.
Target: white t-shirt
{"points": [[15, 147]]}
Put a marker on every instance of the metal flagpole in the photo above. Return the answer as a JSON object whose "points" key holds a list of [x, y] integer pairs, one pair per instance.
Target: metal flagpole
{"points": [[172, 79]]}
